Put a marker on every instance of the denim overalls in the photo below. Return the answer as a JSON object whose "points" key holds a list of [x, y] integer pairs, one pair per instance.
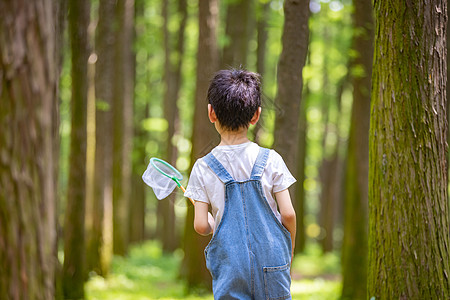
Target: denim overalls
{"points": [[250, 252]]}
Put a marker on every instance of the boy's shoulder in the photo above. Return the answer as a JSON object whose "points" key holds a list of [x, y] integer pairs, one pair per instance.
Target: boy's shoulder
{"points": [[240, 165], [242, 152]]}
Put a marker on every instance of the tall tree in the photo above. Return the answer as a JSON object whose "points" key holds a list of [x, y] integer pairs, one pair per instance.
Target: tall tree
{"points": [[73, 270], [262, 35], [61, 16], [408, 211], [28, 97], [122, 123], [263, 10], [99, 242], [331, 174], [328, 165], [354, 249], [300, 190], [204, 137], [137, 204], [237, 32], [172, 79], [290, 82]]}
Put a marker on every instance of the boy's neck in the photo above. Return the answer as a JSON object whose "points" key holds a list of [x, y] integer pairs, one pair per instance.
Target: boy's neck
{"points": [[233, 137]]}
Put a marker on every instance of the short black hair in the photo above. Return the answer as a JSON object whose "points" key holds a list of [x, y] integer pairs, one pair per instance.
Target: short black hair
{"points": [[235, 96]]}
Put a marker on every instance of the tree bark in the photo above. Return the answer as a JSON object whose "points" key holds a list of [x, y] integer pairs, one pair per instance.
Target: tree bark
{"points": [[137, 204], [28, 96], [204, 138], [237, 34], [73, 269], [330, 196], [172, 79], [408, 211], [354, 249], [262, 36], [328, 165], [122, 123], [448, 106], [99, 247], [290, 83], [61, 16], [300, 191]]}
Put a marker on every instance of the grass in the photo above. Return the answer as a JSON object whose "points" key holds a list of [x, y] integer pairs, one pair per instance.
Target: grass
{"points": [[147, 273]]}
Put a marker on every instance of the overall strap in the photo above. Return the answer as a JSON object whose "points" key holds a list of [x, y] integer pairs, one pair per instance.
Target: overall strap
{"points": [[218, 168], [260, 163]]}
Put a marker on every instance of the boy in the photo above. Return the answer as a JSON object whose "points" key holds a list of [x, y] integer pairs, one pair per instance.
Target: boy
{"points": [[250, 253]]}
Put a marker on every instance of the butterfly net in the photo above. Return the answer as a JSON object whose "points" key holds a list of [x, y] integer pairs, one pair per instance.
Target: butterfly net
{"points": [[161, 176]]}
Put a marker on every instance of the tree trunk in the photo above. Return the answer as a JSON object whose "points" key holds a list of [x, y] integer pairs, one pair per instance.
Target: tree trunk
{"points": [[237, 34], [61, 16], [99, 247], [290, 83], [262, 36], [137, 209], [408, 211], [448, 106], [129, 99], [354, 249], [204, 138], [122, 123], [301, 176], [172, 78], [28, 97], [73, 269], [330, 196], [300, 191], [328, 166], [137, 203]]}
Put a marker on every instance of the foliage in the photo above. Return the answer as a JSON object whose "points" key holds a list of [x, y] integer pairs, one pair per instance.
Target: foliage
{"points": [[315, 289], [312, 263], [147, 273]]}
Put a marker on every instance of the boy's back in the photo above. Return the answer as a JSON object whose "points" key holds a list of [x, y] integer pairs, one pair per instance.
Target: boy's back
{"points": [[250, 252], [238, 160]]}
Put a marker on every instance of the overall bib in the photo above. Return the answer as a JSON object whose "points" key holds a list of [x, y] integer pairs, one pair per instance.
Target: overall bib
{"points": [[250, 252]]}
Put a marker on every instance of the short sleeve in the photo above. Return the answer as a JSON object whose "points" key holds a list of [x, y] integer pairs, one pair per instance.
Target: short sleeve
{"points": [[196, 188], [281, 176]]}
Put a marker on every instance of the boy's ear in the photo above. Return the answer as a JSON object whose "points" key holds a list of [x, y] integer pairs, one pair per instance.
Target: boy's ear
{"points": [[256, 116], [211, 114]]}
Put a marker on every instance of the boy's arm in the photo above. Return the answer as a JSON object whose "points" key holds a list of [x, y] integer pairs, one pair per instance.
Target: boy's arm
{"points": [[203, 220], [288, 217]]}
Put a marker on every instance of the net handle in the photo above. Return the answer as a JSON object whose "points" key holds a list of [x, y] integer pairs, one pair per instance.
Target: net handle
{"points": [[184, 190], [177, 181]]}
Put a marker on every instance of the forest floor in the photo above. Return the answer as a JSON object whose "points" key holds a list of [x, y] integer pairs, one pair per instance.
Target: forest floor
{"points": [[147, 273]]}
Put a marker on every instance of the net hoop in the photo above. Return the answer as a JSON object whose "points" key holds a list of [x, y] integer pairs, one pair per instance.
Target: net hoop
{"points": [[175, 178]]}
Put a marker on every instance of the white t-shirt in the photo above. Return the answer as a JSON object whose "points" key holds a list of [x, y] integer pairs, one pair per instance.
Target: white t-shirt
{"points": [[238, 160]]}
